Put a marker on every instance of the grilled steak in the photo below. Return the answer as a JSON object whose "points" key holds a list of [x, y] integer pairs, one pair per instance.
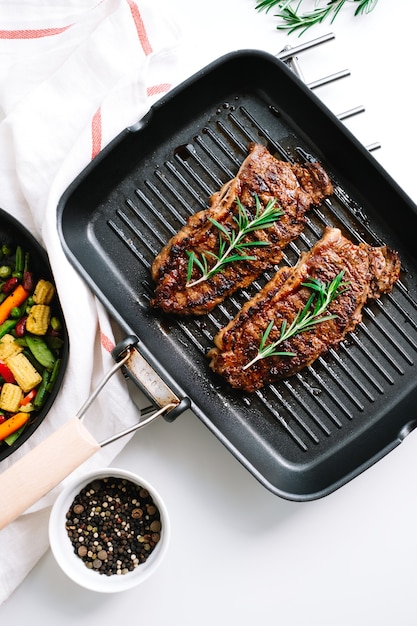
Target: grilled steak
{"points": [[294, 187], [368, 271]]}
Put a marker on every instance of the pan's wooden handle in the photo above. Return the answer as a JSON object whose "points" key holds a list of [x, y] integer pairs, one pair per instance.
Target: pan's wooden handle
{"points": [[44, 467]]}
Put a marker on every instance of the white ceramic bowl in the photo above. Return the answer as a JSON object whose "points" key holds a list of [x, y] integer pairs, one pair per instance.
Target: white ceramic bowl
{"points": [[73, 565]]}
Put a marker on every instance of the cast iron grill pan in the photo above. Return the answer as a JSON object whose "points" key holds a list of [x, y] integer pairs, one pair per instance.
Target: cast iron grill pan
{"points": [[305, 436]]}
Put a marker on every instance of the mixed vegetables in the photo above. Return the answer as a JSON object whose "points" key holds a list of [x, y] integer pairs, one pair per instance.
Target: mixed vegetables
{"points": [[30, 343]]}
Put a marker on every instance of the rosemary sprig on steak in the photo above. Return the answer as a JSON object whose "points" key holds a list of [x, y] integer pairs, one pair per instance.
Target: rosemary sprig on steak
{"points": [[232, 245], [314, 312]]}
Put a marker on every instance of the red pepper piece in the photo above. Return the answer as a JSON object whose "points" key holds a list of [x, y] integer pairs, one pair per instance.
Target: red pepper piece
{"points": [[28, 397], [6, 373]]}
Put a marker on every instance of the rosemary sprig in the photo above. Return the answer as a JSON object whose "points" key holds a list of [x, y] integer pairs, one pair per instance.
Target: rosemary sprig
{"points": [[231, 244], [292, 19], [313, 313]]}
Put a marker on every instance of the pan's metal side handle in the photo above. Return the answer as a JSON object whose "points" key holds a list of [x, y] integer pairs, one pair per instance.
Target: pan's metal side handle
{"points": [[101, 384], [326, 80], [140, 424], [145, 377], [288, 52], [289, 56]]}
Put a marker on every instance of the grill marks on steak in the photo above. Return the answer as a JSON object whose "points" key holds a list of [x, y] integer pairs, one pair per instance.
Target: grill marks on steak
{"points": [[370, 272], [295, 187]]}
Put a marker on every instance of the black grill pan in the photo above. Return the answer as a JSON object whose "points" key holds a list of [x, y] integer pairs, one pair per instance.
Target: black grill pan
{"points": [[306, 436]]}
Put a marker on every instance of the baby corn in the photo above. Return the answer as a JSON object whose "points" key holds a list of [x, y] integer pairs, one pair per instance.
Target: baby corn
{"points": [[44, 292], [10, 397], [27, 377], [8, 347], [38, 319]]}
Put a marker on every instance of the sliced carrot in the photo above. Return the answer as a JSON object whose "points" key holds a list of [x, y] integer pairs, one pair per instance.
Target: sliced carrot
{"points": [[16, 298], [12, 424]]}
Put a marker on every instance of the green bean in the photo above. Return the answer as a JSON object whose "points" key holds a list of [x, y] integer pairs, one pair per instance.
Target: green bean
{"points": [[54, 375], [7, 326], [19, 260], [42, 389]]}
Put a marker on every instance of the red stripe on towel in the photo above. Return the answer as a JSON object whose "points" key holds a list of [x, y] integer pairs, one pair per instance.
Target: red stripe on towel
{"points": [[156, 89], [140, 27], [32, 33], [106, 343], [96, 134]]}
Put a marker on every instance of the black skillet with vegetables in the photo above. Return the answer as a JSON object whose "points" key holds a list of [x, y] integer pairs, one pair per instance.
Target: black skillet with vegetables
{"points": [[33, 336]]}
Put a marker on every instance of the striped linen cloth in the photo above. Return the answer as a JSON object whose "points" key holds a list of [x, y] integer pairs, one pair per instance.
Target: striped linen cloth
{"points": [[73, 74]]}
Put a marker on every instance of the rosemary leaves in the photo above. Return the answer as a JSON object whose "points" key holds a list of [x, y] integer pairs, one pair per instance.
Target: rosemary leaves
{"points": [[293, 20], [232, 245], [314, 312]]}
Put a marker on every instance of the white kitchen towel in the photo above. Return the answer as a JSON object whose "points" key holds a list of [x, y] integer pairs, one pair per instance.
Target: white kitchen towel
{"points": [[73, 74]]}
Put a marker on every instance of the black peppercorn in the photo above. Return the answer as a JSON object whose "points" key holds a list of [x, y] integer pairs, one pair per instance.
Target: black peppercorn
{"points": [[107, 526]]}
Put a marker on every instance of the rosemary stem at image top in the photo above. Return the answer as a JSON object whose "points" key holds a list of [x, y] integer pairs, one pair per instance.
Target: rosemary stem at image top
{"points": [[292, 19]]}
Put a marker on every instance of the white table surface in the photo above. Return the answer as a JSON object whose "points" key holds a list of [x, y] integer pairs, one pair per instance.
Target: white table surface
{"points": [[239, 554]]}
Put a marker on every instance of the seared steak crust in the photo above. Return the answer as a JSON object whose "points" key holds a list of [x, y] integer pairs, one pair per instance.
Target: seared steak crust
{"points": [[295, 187], [370, 271]]}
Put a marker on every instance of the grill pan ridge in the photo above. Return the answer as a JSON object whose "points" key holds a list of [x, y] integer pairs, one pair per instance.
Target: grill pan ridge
{"points": [[305, 436]]}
